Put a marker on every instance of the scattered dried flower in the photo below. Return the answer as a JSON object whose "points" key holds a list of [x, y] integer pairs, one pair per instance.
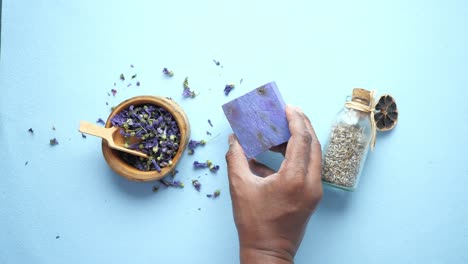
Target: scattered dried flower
{"points": [[209, 122], [168, 72], [196, 184], [208, 164], [31, 131], [216, 62], [187, 92], [155, 188], [241, 80], [83, 135], [114, 92], [53, 142], [131, 66], [53, 128], [26, 163], [100, 121], [193, 144], [174, 173], [215, 194], [138, 83], [208, 133], [128, 85], [228, 88], [134, 76], [122, 77]]}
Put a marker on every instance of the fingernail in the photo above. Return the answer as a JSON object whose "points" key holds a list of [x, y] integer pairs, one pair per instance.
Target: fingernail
{"points": [[231, 139]]}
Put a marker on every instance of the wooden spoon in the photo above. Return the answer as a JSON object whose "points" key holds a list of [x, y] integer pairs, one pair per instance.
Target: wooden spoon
{"points": [[112, 136]]}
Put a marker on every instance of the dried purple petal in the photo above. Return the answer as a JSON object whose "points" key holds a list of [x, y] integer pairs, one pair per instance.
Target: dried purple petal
{"points": [[114, 92], [228, 88], [208, 164], [122, 77], [193, 144], [83, 135], [187, 92], [31, 131], [196, 184], [211, 166], [209, 122], [215, 194], [199, 165], [155, 188], [128, 85], [53, 142], [168, 72], [174, 173], [137, 83], [100, 121]]}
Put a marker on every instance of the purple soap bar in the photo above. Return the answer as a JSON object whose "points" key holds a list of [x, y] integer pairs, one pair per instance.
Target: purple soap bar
{"points": [[258, 119]]}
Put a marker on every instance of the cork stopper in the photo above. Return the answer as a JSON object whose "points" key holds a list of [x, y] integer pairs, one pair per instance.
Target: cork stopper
{"points": [[361, 96]]}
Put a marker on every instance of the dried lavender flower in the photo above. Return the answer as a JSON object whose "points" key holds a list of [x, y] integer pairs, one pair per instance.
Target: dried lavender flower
{"points": [[122, 77], [193, 144], [187, 92], [134, 76], [215, 194], [100, 121], [216, 62], [158, 132], [114, 92], [174, 173], [208, 133], [199, 165], [138, 83], [208, 164], [228, 88], [31, 131], [155, 188], [196, 184], [209, 122], [168, 72], [53, 142], [83, 135]]}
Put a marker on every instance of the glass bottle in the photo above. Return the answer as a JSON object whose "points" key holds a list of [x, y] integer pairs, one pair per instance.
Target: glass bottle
{"points": [[348, 143]]}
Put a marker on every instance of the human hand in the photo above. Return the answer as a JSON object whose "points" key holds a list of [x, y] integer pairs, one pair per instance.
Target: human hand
{"points": [[271, 209]]}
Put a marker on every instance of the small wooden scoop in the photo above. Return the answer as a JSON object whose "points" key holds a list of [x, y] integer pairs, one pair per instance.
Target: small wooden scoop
{"points": [[112, 136]]}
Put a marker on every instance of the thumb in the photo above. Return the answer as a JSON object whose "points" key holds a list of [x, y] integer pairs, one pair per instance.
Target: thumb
{"points": [[237, 164]]}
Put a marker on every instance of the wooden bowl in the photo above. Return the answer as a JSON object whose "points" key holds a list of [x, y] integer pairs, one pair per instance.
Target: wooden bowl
{"points": [[126, 170]]}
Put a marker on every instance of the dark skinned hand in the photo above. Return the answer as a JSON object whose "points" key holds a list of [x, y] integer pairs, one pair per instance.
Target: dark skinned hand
{"points": [[271, 209]]}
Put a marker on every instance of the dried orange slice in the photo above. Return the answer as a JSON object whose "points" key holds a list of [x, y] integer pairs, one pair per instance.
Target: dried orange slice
{"points": [[386, 113]]}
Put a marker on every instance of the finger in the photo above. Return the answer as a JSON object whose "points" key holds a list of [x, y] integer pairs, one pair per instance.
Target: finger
{"points": [[237, 164], [315, 162], [280, 148], [299, 145], [260, 169]]}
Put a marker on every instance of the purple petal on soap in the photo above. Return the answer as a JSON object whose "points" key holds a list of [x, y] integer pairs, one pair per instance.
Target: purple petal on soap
{"points": [[258, 119]]}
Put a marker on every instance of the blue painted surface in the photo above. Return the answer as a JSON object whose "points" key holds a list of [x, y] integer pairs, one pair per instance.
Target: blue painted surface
{"points": [[60, 58]]}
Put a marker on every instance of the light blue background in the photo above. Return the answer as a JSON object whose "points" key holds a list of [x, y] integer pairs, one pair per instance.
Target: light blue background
{"points": [[60, 58]]}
